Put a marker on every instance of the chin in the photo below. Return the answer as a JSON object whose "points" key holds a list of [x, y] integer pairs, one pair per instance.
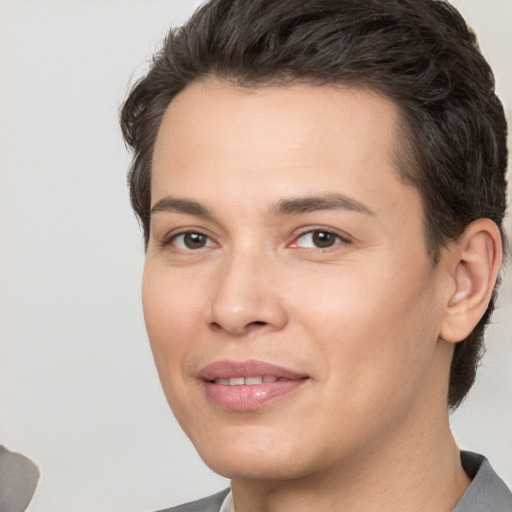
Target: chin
{"points": [[256, 457], [268, 467]]}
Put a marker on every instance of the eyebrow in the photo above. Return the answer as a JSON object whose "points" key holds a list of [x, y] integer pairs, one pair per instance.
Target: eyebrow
{"points": [[291, 206], [310, 204], [171, 204]]}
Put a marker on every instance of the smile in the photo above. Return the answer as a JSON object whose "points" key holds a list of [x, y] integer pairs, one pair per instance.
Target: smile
{"points": [[248, 385], [247, 381]]}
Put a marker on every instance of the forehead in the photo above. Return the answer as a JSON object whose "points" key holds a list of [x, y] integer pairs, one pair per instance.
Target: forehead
{"points": [[219, 141], [274, 115]]}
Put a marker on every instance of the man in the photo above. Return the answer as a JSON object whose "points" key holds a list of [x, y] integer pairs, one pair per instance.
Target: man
{"points": [[322, 187]]}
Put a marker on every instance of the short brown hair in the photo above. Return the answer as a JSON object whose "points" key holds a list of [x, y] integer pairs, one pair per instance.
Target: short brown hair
{"points": [[419, 53]]}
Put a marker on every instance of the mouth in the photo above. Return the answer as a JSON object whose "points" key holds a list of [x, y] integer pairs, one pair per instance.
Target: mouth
{"points": [[246, 381], [248, 385]]}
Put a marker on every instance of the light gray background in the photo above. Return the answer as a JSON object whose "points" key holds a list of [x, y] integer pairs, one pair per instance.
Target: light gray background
{"points": [[79, 392]]}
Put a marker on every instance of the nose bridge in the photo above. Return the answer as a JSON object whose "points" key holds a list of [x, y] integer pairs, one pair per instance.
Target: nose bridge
{"points": [[245, 296]]}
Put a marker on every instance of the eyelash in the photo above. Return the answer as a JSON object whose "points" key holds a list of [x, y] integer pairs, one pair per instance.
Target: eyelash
{"points": [[339, 238], [169, 239]]}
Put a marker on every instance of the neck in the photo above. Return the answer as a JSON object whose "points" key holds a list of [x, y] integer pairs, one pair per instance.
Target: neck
{"points": [[418, 469]]}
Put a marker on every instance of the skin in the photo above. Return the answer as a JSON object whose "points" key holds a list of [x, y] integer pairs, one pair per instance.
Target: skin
{"points": [[363, 318]]}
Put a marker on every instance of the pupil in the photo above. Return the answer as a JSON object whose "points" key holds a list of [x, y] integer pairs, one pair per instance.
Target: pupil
{"points": [[194, 240], [323, 239]]}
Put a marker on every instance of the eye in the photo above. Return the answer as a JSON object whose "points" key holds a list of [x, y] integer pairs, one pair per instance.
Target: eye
{"points": [[191, 241], [318, 239]]}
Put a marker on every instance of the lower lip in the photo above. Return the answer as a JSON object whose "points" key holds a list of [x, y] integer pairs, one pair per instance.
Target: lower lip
{"points": [[245, 398]]}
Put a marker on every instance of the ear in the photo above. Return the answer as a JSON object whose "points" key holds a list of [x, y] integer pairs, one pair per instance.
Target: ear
{"points": [[475, 261]]}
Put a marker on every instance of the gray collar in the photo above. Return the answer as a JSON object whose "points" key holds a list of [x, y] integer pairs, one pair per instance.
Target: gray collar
{"points": [[487, 492]]}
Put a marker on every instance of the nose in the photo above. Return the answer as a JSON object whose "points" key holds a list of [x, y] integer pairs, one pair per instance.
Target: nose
{"points": [[247, 297]]}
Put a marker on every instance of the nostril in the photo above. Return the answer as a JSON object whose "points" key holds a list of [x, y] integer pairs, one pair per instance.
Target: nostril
{"points": [[255, 324]]}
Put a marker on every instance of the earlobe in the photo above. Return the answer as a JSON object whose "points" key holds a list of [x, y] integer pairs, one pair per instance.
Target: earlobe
{"points": [[476, 260]]}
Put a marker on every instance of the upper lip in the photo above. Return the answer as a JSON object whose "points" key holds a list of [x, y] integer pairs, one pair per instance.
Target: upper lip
{"points": [[250, 368]]}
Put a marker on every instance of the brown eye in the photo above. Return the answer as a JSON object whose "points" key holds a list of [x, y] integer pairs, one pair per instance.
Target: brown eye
{"points": [[191, 241], [320, 239], [194, 240], [323, 239]]}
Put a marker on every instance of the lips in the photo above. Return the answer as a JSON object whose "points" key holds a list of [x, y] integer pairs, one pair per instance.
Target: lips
{"points": [[247, 381], [248, 385]]}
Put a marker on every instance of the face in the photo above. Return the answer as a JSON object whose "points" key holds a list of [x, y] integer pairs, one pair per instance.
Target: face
{"points": [[291, 306]]}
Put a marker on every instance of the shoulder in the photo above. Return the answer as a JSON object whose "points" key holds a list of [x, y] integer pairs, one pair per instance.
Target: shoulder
{"points": [[487, 491], [208, 504]]}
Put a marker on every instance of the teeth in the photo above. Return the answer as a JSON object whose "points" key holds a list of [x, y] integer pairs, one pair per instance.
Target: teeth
{"points": [[248, 381], [253, 380]]}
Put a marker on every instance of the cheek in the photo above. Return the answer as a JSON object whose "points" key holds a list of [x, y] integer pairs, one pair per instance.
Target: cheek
{"points": [[372, 328], [172, 314]]}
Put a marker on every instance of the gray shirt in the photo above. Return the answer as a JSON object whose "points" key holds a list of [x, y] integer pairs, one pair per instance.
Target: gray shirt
{"points": [[487, 492]]}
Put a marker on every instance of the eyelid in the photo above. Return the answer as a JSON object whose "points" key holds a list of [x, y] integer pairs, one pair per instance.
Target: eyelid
{"points": [[341, 235], [174, 234]]}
